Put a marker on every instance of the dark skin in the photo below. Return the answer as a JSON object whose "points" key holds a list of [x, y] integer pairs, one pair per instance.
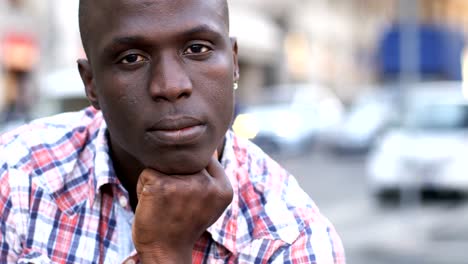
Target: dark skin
{"points": [[162, 73]]}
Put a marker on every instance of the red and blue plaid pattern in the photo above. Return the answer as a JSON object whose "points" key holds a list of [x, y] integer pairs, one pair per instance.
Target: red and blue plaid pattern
{"points": [[58, 194]]}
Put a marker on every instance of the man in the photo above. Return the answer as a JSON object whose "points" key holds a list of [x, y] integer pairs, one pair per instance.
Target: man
{"points": [[150, 173]]}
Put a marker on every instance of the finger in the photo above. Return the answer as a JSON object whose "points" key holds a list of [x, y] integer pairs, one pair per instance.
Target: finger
{"points": [[147, 181], [152, 181], [142, 180]]}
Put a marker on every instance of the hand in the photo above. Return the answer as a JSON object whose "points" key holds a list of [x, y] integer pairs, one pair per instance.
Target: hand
{"points": [[173, 211]]}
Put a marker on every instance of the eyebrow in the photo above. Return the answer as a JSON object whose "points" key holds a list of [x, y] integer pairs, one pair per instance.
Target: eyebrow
{"points": [[126, 40], [204, 28], [142, 40]]}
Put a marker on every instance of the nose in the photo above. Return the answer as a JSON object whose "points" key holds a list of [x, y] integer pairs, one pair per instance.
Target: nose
{"points": [[170, 80]]}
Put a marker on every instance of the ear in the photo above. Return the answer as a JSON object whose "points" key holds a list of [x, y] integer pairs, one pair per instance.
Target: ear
{"points": [[235, 58], [87, 77]]}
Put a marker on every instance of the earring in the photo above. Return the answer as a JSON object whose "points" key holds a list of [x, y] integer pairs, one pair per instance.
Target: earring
{"points": [[235, 85]]}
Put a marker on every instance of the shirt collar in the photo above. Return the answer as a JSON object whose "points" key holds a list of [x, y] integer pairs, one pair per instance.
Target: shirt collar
{"points": [[224, 230], [74, 183], [103, 169]]}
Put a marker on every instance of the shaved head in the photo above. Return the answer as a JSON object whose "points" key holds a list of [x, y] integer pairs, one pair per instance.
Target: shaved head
{"points": [[83, 12], [155, 67], [86, 17]]}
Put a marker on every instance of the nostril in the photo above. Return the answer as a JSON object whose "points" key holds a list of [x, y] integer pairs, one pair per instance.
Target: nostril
{"points": [[184, 95], [170, 92]]}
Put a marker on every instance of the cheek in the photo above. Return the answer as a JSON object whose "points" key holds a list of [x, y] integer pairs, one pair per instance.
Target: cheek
{"points": [[217, 87], [120, 96], [124, 87], [220, 101]]}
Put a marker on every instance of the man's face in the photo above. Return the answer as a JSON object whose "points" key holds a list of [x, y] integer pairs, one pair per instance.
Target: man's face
{"points": [[162, 73]]}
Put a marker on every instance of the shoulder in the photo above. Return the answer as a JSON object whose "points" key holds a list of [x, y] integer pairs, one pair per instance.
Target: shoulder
{"points": [[274, 207], [271, 194], [257, 167], [29, 143], [258, 172], [50, 153]]}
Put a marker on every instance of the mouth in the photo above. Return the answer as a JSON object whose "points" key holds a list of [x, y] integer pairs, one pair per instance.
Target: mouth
{"points": [[177, 130]]}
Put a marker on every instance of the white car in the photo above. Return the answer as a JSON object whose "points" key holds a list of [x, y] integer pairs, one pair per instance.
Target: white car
{"points": [[291, 122], [366, 120], [279, 128], [429, 150]]}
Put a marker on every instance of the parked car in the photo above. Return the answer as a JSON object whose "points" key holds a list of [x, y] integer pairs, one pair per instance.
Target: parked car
{"points": [[429, 150], [289, 124], [368, 117]]}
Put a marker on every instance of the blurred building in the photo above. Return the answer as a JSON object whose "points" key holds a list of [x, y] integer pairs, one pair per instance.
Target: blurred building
{"points": [[337, 43], [331, 43], [36, 39], [260, 29], [22, 25]]}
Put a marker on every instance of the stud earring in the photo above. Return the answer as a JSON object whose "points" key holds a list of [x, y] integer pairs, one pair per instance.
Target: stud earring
{"points": [[235, 85]]}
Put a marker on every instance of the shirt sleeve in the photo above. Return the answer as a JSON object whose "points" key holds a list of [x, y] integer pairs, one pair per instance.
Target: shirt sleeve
{"points": [[11, 244], [9, 239], [318, 244]]}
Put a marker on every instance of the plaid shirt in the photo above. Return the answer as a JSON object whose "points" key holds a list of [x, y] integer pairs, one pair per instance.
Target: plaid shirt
{"points": [[59, 194]]}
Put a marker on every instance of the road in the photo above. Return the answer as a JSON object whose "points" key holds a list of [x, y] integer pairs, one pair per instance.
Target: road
{"points": [[421, 233]]}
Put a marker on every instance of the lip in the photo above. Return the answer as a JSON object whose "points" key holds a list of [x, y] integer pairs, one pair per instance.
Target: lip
{"points": [[177, 130]]}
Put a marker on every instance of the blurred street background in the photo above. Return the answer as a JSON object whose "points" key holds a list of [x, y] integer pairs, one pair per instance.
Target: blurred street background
{"points": [[364, 101]]}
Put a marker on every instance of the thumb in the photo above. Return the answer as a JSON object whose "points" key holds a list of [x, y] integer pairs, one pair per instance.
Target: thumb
{"points": [[146, 182]]}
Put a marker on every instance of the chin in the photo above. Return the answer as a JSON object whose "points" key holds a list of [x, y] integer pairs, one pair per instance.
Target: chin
{"points": [[180, 166]]}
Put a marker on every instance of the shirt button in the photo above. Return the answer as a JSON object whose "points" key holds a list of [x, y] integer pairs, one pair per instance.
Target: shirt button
{"points": [[123, 201]]}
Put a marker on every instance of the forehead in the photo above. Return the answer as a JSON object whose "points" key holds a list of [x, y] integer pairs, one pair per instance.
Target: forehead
{"points": [[161, 18], [172, 7]]}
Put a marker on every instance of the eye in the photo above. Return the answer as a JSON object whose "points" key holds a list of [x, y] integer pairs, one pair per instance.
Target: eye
{"points": [[197, 49], [132, 58]]}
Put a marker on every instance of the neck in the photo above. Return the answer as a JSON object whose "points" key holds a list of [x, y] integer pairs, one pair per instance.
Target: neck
{"points": [[127, 169]]}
